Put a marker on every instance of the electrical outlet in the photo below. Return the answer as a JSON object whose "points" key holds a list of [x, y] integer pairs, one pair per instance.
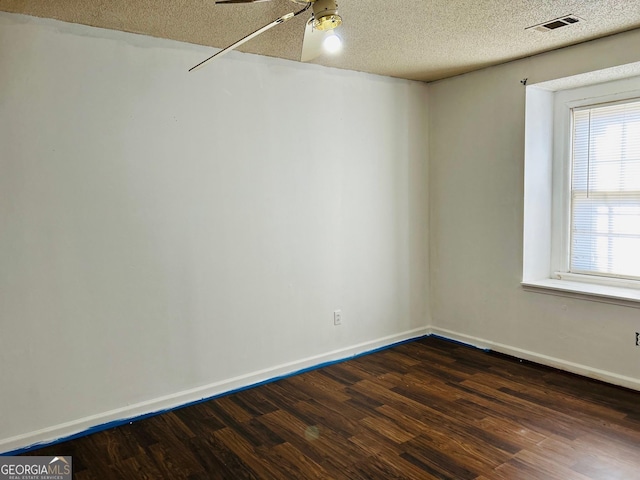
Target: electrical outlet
{"points": [[337, 317]]}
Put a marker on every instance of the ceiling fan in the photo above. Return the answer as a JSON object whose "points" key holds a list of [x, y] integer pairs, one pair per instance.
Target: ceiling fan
{"points": [[318, 33]]}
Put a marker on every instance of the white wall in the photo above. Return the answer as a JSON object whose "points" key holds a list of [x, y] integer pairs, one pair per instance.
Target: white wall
{"points": [[165, 236], [476, 168]]}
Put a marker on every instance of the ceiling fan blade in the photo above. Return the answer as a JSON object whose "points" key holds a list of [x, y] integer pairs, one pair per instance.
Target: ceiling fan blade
{"points": [[312, 42], [278, 21]]}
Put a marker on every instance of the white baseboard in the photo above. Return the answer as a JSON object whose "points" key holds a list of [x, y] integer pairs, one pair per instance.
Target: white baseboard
{"points": [[597, 374], [122, 415], [119, 416]]}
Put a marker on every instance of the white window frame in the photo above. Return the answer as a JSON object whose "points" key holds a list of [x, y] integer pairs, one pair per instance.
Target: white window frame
{"points": [[547, 200]]}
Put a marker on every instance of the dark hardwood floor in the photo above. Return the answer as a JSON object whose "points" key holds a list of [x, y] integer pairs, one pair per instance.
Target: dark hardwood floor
{"points": [[428, 409]]}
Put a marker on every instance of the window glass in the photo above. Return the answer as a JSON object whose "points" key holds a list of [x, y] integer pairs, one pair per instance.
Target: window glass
{"points": [[605, 190]]}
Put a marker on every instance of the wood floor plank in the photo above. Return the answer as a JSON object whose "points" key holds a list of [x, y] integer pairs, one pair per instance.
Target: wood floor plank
{"points": [[548, 466], [423, 410], [316, 413], [253, 402], [622, 453], [437, 463], [210, 458], [230, 463], [389, 429], [292, 463], [200, 419], [373, 443], [317, 386], [317, 444], [510, 430], [525, 411], [246, 452], [379, 467], [167, 462]]}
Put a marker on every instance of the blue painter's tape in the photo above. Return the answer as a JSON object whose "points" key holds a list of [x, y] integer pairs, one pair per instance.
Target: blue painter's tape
{"points": [[124, 421]]}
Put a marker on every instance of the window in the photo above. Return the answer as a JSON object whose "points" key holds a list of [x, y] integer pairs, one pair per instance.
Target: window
{"points": [[582, 186], [605, 190]]}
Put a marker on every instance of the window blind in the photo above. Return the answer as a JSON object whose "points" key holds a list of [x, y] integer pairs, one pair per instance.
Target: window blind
{"points": [[605, 190]]}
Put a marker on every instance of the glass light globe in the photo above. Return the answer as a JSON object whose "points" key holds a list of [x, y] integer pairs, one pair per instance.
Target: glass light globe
{"points": [[332, 43]]}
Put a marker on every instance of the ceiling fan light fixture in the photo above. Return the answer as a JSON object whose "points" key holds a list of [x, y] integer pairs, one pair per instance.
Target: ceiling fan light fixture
{"points": [[325, 14], [332, 43], [328, 22]]}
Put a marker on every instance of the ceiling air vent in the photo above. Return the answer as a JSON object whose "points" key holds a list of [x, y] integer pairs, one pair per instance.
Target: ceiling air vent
{"points": [[556, 23]]}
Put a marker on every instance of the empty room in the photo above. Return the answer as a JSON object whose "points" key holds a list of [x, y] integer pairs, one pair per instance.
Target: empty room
{"points": [[309, 240]]}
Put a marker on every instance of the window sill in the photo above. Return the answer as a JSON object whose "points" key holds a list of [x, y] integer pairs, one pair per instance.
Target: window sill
{"points": [[629, 297]]}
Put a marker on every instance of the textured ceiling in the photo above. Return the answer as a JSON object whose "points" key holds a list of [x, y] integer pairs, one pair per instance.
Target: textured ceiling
{"points": [[415, 39]]}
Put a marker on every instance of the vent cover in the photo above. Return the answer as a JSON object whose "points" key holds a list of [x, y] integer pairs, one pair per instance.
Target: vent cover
{"points": [[556, 23]]}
